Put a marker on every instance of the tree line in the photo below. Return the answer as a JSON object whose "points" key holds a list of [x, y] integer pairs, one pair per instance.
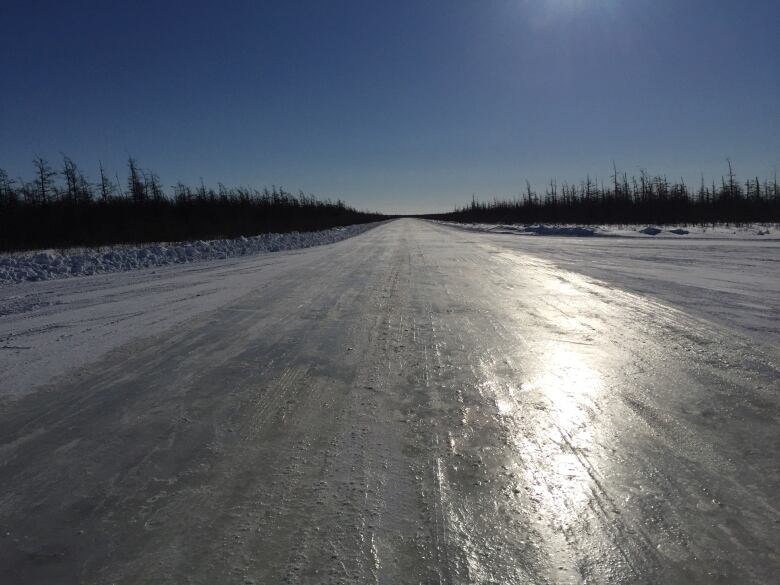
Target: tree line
{"points": [[637, 200], [61, 207]]}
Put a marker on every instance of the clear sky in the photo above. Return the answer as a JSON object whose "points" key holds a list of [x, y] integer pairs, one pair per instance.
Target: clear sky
{"points": [[401, 105]]}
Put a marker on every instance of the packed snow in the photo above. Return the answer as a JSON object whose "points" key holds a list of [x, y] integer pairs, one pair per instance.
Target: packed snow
{"points": [[725, 275], [50, 264], [414, 403], [49, 326]]}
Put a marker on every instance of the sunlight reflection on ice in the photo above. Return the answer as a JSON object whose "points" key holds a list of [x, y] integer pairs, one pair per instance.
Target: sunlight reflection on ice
{"points": [[549, 416], [566, 385], [566, 379]]}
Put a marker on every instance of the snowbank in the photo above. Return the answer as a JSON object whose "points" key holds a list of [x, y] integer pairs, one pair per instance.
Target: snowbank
{"points": [[531, 230], [48, 264], [718, 231]]}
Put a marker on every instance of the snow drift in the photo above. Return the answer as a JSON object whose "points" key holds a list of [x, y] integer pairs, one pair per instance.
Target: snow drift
{"points": [[717, 231], [48, 264]]}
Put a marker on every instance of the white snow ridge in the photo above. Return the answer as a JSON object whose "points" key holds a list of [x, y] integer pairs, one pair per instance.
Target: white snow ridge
{"points": [[48, 264], [720, 231]]}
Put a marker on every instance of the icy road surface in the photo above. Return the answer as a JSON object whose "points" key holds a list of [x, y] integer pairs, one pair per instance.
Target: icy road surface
{"points": [[418, 404]]}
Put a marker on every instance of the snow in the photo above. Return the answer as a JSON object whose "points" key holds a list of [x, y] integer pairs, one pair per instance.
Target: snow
{"points": [[264, 417], [49, 326], [726, 275], [717, 231], [50, 264]]}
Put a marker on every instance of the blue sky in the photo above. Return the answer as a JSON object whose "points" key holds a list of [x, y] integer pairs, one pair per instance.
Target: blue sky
{"points": [[400, 105]]}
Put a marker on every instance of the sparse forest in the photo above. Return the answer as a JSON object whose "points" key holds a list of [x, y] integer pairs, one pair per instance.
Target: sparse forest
{"points": [[623, 200], [61, 207]]}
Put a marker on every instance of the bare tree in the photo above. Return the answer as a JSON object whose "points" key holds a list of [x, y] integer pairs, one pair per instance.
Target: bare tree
{"points": [[615, 176], [43, 178], [135, 183], [106, 188], [732, 180], [70, 172], [7, 192], [153, 186], [83, 188], [78, 188]]}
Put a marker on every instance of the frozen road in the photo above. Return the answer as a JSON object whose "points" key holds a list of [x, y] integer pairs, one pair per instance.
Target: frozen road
{"points": [[418, 404]]}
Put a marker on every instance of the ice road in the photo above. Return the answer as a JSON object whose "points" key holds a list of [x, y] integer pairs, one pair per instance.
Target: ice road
{"points": [[418, 404]]}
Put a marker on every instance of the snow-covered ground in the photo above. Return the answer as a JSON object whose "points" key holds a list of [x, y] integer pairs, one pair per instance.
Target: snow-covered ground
{"points": [[676, 232], [49, 326], [730, 276], [416, 404], [48, 264]]}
